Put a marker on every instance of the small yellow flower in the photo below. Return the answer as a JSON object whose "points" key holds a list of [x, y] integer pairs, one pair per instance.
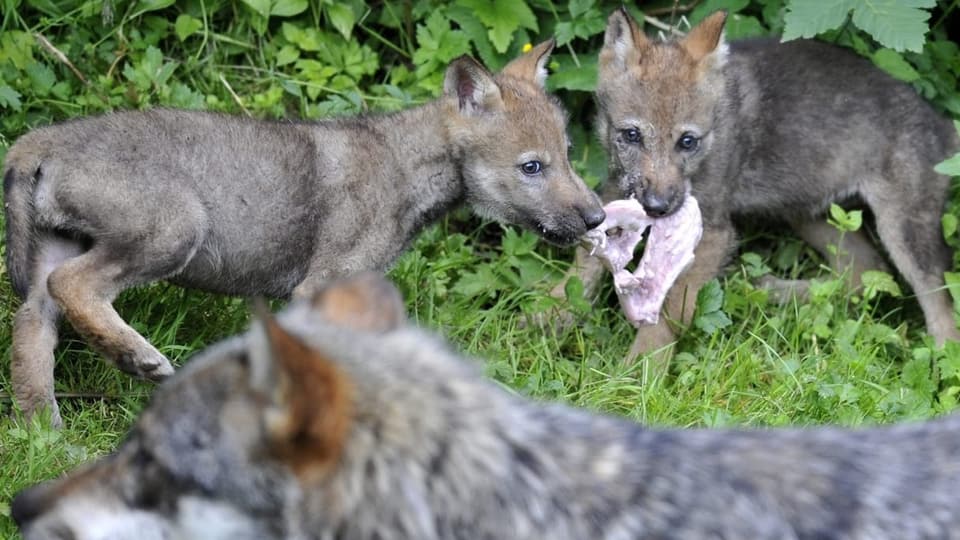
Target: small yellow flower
{"points": [[527, 47]]}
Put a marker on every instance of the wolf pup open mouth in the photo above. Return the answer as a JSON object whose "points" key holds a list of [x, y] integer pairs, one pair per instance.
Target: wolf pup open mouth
{"points": [[668, 252]]}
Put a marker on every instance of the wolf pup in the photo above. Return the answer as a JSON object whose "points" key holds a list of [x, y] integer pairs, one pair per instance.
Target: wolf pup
{"points": [[246, 207], [773, 130], [339, 420]]}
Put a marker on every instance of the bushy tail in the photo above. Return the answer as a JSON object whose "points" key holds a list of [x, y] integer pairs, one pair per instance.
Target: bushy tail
{"points": [[17, 208]]}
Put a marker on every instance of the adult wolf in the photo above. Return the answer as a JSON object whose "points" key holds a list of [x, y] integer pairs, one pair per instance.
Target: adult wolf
{"points": [[763, 129], [246, 207], [338, 420]]}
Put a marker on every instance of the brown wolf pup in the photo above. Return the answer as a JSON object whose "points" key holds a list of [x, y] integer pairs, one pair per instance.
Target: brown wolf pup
{"points": [[762, 129], [340, 421], [246, 207]]}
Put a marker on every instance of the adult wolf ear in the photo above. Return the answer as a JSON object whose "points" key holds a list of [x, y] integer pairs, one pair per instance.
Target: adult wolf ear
{"points": [[473, 87], [532, 66], [307, 399], [622, 42]]}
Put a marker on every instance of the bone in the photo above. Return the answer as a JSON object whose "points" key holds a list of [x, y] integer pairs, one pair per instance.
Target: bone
{"points": [[668, 252]]}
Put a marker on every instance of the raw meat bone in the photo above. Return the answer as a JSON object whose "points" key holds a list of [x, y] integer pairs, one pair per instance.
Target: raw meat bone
{"points": [[668, 252]]}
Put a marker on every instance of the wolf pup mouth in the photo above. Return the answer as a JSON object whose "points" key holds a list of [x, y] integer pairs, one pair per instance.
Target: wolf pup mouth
{"points": [[668, 252]]}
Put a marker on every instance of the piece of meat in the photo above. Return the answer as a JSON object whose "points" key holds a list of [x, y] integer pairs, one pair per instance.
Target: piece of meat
{"points": [[668, 252]]}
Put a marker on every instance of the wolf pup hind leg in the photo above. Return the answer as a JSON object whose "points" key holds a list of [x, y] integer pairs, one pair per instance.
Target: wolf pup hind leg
{"points": [[246, 207], [339, 419], [768, 130]]}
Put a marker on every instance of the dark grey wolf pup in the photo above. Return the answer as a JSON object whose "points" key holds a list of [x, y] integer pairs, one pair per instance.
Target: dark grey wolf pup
{"points": [[774, 130], [244, 207], [340, 421]]}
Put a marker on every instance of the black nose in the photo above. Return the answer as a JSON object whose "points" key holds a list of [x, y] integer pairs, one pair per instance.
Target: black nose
{"points": [[593, 216], [654, 205], [25, 507]]}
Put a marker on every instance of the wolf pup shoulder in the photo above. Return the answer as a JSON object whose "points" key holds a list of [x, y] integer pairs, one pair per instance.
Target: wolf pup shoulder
{"points": [[764, 129], [246, 207], [340, 421]]}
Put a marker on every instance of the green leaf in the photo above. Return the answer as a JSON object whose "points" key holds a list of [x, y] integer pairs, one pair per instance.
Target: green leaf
{"points": [[152, 5], [502, 18], [579, 7], [916, 372], [42, 78], [807, 18], [876, 281], [186, 26], [898, 24], [893, 63], [951, 165], [261, 7], [952, 280], [287, 55], [288, 8], [949, 222], [843, 220], [10, 98], [710, 297], [570, 76], [342, 18], [477, 32], [743, 26]]}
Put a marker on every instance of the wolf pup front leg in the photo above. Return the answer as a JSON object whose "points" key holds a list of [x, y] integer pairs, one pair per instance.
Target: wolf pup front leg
{"points": [[760, 129], [245, 207]]}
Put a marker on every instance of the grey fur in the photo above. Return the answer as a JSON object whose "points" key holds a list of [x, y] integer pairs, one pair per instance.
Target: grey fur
{"points": [[245, 207], [784, 130], [435, 451]]}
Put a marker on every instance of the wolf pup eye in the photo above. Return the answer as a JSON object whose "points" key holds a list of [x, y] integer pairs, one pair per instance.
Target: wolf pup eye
{"points": [[688, 142], [632, 135], [531, 168]]}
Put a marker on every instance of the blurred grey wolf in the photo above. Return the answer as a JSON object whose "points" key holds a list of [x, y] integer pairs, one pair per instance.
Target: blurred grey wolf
{"points": [[246, 207], [769, 130], [338, 420]]}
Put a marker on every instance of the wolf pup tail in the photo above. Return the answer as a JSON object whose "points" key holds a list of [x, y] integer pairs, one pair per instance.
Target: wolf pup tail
{"points": [[17, 208]]}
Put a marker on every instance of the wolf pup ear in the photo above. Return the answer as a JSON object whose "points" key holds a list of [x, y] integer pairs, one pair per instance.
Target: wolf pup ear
{"points": [[472, 86], [308, 399], [532, 65], [366, 302], [707, 38], [622, 42]]}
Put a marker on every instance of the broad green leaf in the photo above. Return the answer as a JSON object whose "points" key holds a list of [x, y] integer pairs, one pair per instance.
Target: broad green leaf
{"points": [[261, 7], [579, 7], [807, 18], [288, 8], [844, 220], [949, 166], [10, 98], [898, 24], [287, 55], [952, 280], [743, 26], [186, 26], [876, 281], [342, 18], [949, 222], [710, 297], [893, 63], [42, 78], [152, 5], [569, 76], [477, 32], [502, 18], [710, 6]]}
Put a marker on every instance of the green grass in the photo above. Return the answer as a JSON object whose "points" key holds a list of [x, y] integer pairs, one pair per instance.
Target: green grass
{"points": [[837, 359]]}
